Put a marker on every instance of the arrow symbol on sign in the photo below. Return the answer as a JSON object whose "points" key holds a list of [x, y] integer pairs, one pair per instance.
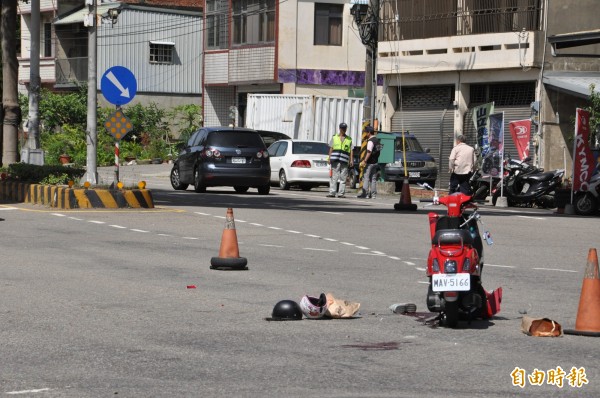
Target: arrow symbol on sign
{"points": [[113, 79]]}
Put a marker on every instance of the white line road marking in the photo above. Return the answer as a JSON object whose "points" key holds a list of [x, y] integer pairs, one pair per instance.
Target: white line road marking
{"points": [[532, 218], [256, 225], [554, 269], [312, 236], [117, 226], [265, 245], [362, 248], [421, 269], [58, 215], [164, 235], [370, 254], [425, 283], [319, 250], [202, 214], [76, 219], [331, 212], [330, 239], [275, 228], [221, 217], [347, 243], [292, 231], [9, 208], [27, 391], [96, 222], [377, 252], [240, 221], [499, 266], [394, 258], [138, 230], [408, 263], [190, 238]]}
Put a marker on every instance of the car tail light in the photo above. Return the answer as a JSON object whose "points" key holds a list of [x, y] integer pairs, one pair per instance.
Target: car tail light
{"points": [[212, 153], [262, 154], [301, 163]]}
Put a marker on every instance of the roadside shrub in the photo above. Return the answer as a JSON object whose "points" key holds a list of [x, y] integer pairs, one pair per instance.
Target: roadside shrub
{"points": [[36, 174]]}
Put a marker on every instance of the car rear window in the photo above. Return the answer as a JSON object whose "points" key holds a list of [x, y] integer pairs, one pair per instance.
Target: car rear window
{"points": [[237, 139], [310, 148]]}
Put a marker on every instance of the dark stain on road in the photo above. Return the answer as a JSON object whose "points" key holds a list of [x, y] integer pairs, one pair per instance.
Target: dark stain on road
{"points": [[385, 346]]}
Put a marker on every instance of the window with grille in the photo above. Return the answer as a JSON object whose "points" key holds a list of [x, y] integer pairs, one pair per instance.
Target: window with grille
{"points": [[216, 24], [328, 24], [253, 21], [161, 53], [47, 40]]}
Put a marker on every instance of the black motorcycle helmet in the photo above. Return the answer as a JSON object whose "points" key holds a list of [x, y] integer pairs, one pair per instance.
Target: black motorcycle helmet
{"points": [[286, 310]]}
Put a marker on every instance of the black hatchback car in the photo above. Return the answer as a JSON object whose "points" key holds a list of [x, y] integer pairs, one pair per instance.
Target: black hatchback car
{"points": [[223, 156]]}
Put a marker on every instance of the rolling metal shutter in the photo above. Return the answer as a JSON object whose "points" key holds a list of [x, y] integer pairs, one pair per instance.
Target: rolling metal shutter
{"points": [[427, 113]]}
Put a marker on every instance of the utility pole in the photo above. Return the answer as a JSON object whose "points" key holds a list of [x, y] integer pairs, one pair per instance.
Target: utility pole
{"points": [[368, 24], [92, 99], [32, 146]]}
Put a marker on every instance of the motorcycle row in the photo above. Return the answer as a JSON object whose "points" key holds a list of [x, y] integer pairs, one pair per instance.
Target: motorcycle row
{"points": [[526, 185]]}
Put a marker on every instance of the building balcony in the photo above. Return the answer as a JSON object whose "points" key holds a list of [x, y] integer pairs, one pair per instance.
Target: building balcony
{"points": [[472, 52], [71, 72], [446, 35]]}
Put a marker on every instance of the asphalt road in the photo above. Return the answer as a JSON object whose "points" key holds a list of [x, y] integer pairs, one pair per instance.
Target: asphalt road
{"points": [[96, 303]]}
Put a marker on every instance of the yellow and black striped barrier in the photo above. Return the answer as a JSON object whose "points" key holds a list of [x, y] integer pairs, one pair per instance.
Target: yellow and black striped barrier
{"points": [[75, 198]]}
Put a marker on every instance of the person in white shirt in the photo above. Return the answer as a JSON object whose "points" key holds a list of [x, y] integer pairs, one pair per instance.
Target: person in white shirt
{"points": [[462, 164]]}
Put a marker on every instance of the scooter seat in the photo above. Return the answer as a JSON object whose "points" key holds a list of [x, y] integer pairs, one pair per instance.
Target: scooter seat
{"points": [[452, 237], [541, 176]]}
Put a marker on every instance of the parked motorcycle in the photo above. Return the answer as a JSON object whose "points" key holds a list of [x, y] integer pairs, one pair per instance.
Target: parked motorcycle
{"points": [[480, 186], [455, 263], [586, 202], [527, 185]]}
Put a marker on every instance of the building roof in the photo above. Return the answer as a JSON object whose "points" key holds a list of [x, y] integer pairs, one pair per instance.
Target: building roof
{"points": [[574, 83], [574, 39], [175, 6]]}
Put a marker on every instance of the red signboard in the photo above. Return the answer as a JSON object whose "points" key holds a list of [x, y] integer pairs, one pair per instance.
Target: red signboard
{"points": [[520, 130], [583, 161]]}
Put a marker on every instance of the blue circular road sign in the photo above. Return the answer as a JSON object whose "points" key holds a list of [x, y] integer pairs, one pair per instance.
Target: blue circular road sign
{"points": [[118, 85]]}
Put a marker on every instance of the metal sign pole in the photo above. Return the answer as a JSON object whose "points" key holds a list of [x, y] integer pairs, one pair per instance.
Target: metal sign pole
{"points": [[116, 162]]}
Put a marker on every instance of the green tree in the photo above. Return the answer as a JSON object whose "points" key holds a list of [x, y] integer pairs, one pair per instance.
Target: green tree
{"points": [[188, 118], [594, 110]]}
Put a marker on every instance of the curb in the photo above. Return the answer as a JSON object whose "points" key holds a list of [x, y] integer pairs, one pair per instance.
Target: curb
{"points": [[63, 197]]}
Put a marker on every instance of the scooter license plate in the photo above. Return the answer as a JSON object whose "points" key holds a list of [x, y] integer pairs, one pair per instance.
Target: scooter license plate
{"points": [[451, 282]]}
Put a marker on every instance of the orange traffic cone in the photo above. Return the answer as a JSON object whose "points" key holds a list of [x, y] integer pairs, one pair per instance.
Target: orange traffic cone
{"points": [[588, 314], [229, 254], [405, 202]]}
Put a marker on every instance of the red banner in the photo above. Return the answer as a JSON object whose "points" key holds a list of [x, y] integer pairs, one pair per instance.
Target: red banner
{"points": [[583, 161], [520, 130]]}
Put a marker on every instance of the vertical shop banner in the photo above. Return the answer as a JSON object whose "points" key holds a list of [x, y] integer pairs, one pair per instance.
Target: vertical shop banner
{"points": [[492, 160], [481, 119], [583, 161], [520, 131]]}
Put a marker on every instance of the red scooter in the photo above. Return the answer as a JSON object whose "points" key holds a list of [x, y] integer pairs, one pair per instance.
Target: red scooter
{"points": [[455, 263]]}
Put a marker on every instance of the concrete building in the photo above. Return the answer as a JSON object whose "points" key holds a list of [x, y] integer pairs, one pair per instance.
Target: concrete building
{"points": [[278, 47], [441, 58], [159, 41]]}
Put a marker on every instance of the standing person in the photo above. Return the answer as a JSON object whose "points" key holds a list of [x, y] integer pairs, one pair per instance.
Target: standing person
{"points": [[340, 157], [462, 163], [371, 160]]}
